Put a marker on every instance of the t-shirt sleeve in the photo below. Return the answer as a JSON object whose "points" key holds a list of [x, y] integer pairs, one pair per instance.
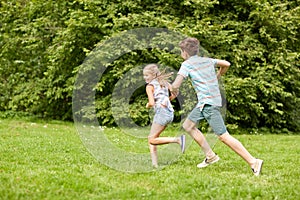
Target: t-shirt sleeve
{"points": [[214, 62], [183, 71]]}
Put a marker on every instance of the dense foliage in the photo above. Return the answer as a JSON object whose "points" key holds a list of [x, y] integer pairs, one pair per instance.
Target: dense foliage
{"points": [[43, 43]]}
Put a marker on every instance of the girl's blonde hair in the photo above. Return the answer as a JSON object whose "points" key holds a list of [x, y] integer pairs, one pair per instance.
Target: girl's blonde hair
{"points": [[161, 77]]}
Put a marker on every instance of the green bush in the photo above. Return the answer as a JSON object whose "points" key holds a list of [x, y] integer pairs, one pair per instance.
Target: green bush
{"points": [[43, 44]]}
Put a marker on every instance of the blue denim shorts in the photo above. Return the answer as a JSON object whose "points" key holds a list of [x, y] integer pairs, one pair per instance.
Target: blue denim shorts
{"points": [[163, 116], [213, 116]]}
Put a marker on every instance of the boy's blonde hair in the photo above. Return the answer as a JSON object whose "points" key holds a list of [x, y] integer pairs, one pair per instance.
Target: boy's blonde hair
{"points": [[190, 45], [161, 77]]}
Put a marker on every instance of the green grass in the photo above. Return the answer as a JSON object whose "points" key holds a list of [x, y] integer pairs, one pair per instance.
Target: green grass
{"points": [[47, 160]]}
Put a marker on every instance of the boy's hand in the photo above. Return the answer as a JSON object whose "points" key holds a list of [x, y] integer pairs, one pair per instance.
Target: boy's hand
{"points": [[174, 91], [224, 65], [174, 94]]}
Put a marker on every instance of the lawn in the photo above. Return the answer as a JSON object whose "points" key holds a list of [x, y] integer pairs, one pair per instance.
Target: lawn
{"points": [[48, 160]]}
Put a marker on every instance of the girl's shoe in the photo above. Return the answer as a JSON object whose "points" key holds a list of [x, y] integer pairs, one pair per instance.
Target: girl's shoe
{"points": [[182, 143]]}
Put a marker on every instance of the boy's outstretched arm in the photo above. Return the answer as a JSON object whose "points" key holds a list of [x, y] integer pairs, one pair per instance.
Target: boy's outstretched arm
{"points": [[176, 84], [173, 95], [224, 65]]}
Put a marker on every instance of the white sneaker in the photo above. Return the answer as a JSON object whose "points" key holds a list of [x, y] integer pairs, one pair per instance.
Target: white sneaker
{"points": [[207, 162], [257, 167]]}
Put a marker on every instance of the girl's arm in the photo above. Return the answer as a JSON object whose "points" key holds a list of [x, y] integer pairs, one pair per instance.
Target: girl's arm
{"points": [[150, 92]]}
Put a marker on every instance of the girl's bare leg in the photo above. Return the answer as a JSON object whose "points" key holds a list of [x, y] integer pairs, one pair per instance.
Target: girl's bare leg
{"points": [[154, 139], [155, 131]]}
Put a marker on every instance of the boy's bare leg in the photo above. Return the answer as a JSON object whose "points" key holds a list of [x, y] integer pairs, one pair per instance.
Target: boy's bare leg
{"points": [[237, 147], [190, 127]]}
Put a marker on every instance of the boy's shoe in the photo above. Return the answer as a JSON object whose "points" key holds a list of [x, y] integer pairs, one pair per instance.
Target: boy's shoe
{"points": [[182, 143], [257, 167], [207, 162]]}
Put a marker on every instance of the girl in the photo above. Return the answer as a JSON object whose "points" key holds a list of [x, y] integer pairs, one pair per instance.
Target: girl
{"points": [[157, 90]]}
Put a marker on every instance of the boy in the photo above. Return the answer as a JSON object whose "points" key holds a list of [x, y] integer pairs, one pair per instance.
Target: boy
{"points": [[204, 78]]}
